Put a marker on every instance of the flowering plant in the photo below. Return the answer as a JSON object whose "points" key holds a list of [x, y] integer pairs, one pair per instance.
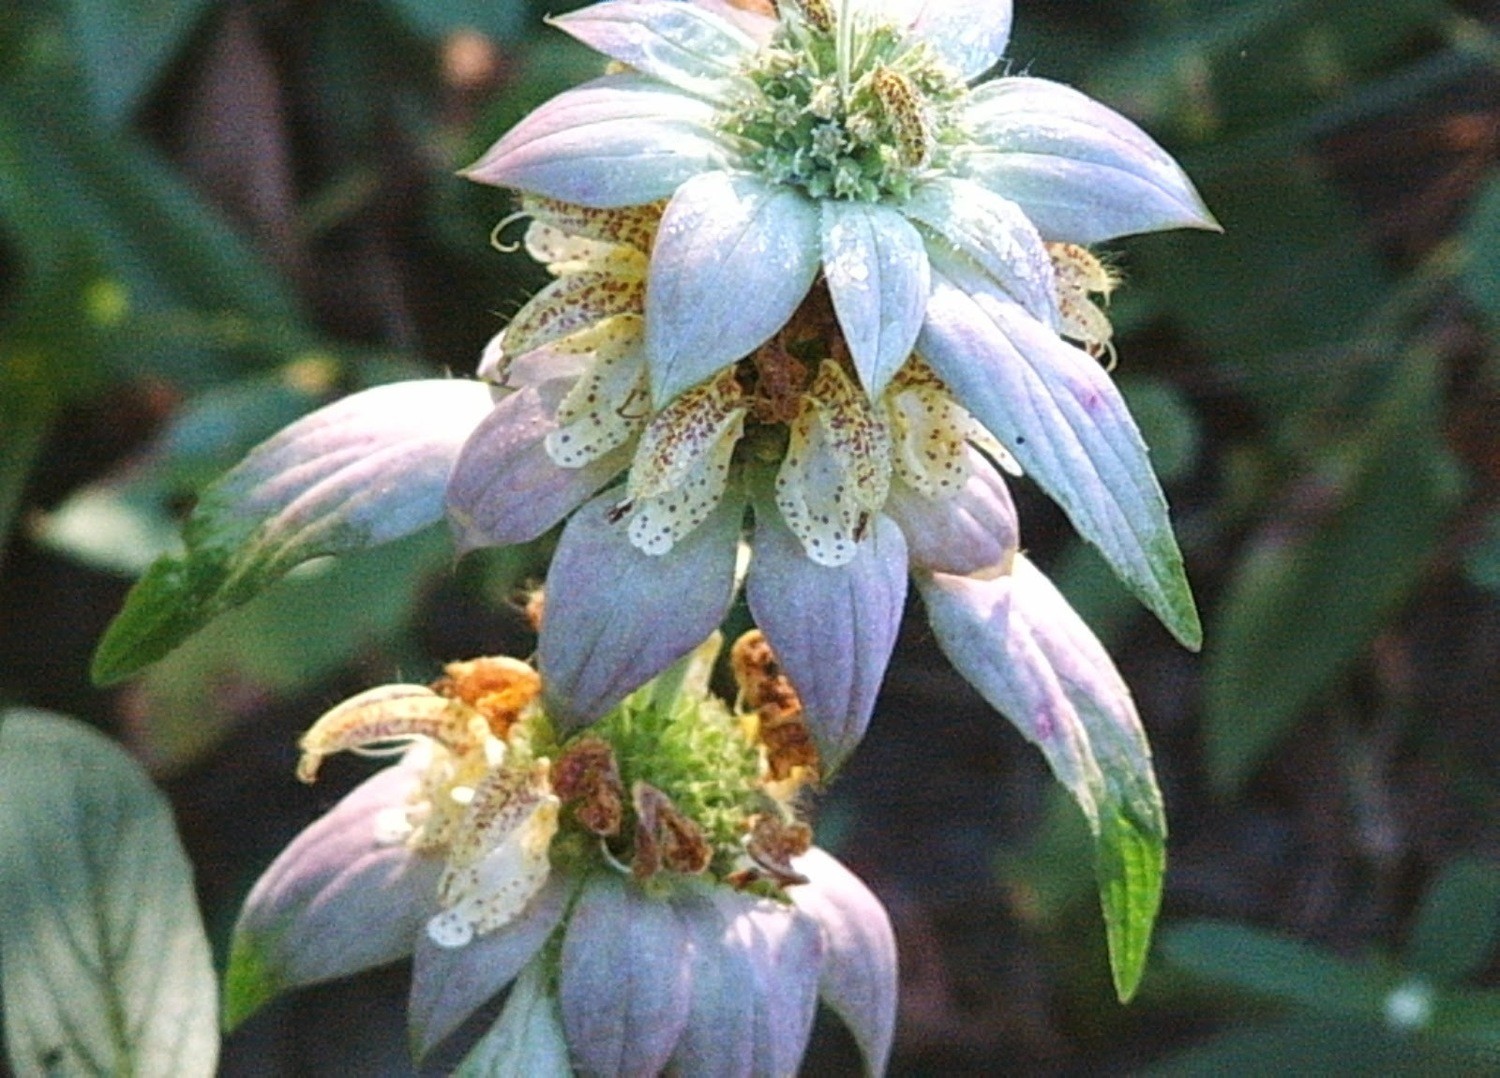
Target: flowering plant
{"points": [[814, 288]]}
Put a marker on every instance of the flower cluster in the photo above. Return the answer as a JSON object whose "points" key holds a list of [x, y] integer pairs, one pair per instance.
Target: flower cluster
{"points": [[803, 268], [664, 841], [816, 291]]}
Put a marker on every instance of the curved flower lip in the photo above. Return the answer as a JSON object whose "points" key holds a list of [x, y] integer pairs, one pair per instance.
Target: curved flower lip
{"points": [[833, 628], [505, 488], [450, 983], [341, 899]]}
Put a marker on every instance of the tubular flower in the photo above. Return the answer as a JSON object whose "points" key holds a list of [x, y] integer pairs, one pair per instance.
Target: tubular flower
{"points": [[841, 146], [839, 267], [646, 889], [846, 491]]}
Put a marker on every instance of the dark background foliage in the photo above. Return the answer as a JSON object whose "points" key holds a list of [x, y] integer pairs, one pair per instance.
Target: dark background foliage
{"points": [[216, 215]]}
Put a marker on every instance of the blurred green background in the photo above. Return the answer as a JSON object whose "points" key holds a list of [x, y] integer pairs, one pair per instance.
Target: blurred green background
{"points": [[216, 216]]}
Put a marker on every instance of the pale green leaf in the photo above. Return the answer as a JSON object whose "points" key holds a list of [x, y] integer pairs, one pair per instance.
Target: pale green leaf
{"points": [[367, 470], [104, 965], [1274, 967], [528, 1037], [1459, 922], [124, 45]]}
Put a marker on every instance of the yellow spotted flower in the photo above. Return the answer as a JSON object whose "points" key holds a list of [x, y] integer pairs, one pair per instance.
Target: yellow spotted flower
{"points": [[851, 154], [846, 492]]}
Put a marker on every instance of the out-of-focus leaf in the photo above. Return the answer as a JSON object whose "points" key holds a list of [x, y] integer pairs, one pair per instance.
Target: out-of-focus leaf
{"points": [[111, 527], [1254, 65], [1302, 606], [1273, 967], [1319, 1046], [363, 471], [124, 523], [104, 965], [1481, 238], [1470, 1017], [1459, 922], [1052, 873], [73, 191], [1168, 425], [303, 628], [437, 17], [215, 428], [1482, 557], [25, 417], [52, 326], [123, 44], [1290, 279]]}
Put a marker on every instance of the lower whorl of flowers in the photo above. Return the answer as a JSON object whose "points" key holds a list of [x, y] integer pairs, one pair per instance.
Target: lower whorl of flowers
{"points": [[672, 783]]}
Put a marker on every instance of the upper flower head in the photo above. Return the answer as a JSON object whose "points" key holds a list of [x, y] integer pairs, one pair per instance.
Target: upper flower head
{"points": [[836, 481], [692, 924], [841, 137], [834, 167]]}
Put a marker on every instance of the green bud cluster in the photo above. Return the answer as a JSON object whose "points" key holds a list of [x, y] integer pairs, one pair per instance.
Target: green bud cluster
{"points": [[866, 134], [686, 743]]}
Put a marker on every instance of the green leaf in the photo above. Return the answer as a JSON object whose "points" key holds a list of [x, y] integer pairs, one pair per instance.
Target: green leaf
{"points": [[104, 965], [364, 471], [124, 44], [1481, 239], [1301, 608], [528, 1036], [250, 981], [1459, 922], [1130, 862], [1469, 1017], [1274, 967], [302, 629], [1317, 1046], [441, 17]]}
